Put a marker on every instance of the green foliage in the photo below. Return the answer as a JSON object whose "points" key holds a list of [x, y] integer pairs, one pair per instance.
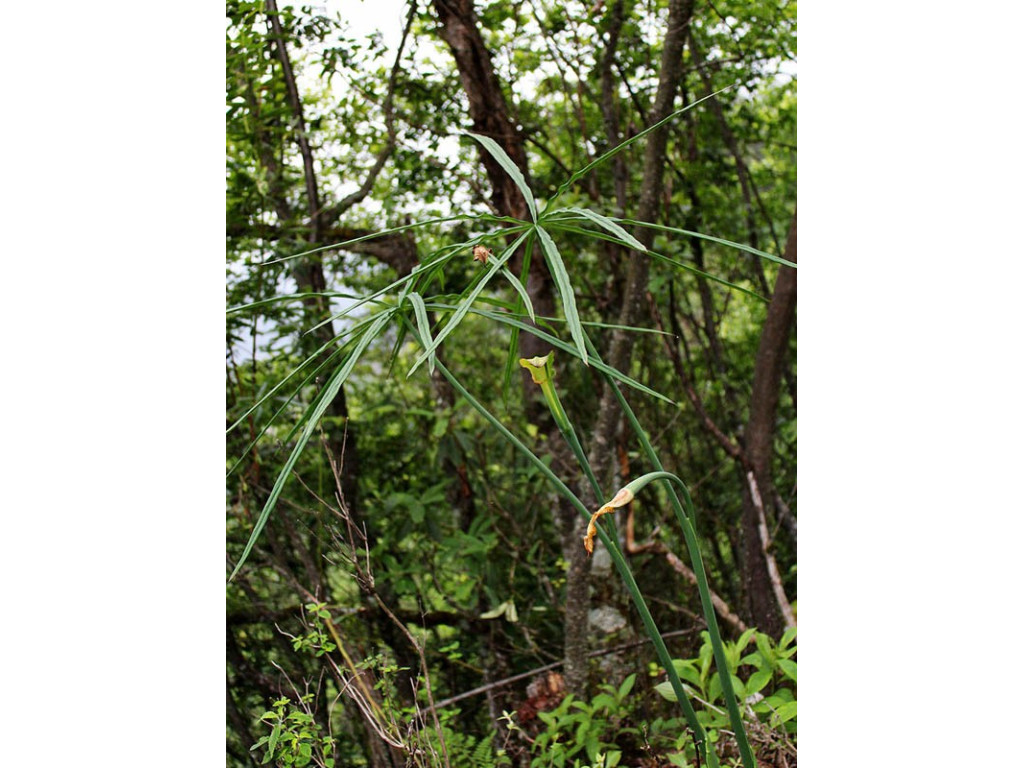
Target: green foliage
{"points": [[444, 568], [316, 640], [593, 729], [295, 738], [764, 679]]}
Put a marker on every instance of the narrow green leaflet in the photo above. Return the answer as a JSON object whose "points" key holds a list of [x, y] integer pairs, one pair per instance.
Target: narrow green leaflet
{"points": [[313, 418], [612, 152], [381, 233], [606, 223], [285, 297], [720, 241], [572, 317], [376, 294], [496, 264], [442, 255], [554, 341], [312, 358], [288, 401], [510, 168], [558, 225], [513, 343], [521, 291], [421, 320]]}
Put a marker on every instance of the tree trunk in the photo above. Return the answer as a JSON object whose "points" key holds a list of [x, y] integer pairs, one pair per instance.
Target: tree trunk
{"points": [[620, 356], [763, 606]]}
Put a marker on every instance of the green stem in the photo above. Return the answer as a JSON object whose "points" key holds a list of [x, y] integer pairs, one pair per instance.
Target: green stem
{"points": [[685, 519], [565, 427], [617, 557]]}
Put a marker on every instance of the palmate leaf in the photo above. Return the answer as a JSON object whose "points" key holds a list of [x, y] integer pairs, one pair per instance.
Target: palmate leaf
{"points": [[440, 257], [495, 266], [557, 267], [312, 418]]}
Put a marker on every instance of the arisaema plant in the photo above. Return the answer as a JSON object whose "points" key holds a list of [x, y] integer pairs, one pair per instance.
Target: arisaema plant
{"points": [[407, 304]]}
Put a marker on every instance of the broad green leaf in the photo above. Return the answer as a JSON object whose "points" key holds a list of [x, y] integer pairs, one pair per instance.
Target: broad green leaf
{"points": [[510, 168], [557, 267], [687, 670], [787, 637], [715, 687], [666, 691], [758, 680], [764, 645], [788, 668], [627, 686], [784, 713], [591, 743], [312, 419], [780, 697], [272, 744]]}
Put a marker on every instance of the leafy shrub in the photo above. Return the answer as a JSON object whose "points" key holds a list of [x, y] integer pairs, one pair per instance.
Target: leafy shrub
{"points": [[764, 680], [611, 729]]}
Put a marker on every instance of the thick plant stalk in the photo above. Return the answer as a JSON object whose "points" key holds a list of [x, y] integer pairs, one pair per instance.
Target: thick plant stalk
{"points": [[542, 371], [684, 518], [617, 557]]}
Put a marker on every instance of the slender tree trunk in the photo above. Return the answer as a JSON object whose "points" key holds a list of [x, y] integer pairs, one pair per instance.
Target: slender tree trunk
{"points": [[490, 114], [489, 111], [764, 606]]}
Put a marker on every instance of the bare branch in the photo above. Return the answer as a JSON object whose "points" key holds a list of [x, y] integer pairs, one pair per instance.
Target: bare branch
{"points": [[773, 567]]}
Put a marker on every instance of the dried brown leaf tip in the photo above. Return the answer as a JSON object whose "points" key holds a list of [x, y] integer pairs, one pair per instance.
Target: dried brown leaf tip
{"points": [[622, 498], [481, 254]]}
